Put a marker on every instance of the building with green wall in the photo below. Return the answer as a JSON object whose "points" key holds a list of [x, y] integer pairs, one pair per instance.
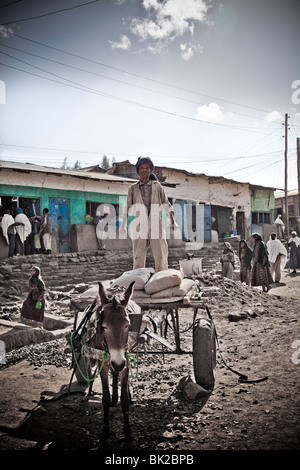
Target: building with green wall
{"points": [[68, 194], [72, 195]]}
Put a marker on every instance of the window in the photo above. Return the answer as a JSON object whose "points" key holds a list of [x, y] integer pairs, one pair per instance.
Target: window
{"points": [[261, 218], [30, 206], [91, 207]]}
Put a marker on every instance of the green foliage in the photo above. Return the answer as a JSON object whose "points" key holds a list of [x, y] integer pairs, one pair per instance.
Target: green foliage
{"points": [[76, 166], [105, 163]]}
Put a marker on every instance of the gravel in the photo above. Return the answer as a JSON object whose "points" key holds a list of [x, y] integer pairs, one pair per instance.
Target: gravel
{"points": [[43, 354]]}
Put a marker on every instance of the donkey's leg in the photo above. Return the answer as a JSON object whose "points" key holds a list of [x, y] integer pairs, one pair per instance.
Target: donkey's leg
{"points": [[125, 403], [106, 402], [115, 384], [129, 395]]}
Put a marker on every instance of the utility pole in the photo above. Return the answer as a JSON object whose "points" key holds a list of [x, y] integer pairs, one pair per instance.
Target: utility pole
{"points": [[286, 176], [298, 170]]}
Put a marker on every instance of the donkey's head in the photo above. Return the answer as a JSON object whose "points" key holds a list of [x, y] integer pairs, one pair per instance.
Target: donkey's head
{"points": [[115, 325]]}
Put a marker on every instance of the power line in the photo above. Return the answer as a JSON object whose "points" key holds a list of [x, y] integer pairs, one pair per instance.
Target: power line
{"points": [[113, 79], [50, 149], [151, 156], [9, 4], [137, 75], [239, 177], [81, 87], [255, 171], [50, 13], [251, 166]]}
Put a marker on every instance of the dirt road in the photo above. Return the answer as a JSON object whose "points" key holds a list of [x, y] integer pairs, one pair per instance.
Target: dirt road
{"points": [[36, 413]]}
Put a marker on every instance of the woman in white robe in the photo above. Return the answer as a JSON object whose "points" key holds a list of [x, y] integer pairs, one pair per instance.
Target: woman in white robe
{"points": [[277, 256]]}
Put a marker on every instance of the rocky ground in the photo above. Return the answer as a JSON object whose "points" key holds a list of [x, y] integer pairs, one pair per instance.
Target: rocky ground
{"points": [[258, 335]]}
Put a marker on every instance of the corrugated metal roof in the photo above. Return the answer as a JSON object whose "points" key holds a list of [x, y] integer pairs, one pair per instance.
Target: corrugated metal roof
{"points": [[26, 167], [106, 176], [281, 194], [203, 175]]}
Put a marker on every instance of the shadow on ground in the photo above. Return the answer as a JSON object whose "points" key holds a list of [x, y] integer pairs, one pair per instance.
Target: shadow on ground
{"points": [[73, 421]]}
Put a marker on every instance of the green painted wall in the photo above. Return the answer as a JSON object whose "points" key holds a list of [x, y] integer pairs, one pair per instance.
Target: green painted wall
{"points": [[77, 199], [262, 200]]}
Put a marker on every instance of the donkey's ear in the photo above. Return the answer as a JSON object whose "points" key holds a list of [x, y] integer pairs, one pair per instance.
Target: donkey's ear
{"points": [[102, 294], [128, 293]]}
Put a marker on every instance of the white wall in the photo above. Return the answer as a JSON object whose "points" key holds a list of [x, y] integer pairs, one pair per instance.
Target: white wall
{"points": [[208, 190]]}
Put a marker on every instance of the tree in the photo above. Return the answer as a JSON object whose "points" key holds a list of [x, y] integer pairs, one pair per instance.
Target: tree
{"points": [[105, 163], [76, 166], [64, 165]]}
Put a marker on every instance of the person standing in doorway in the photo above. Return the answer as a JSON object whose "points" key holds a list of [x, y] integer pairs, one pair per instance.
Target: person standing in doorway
{"points": [[24, 230], [35, 231], [46, 231], [146, 202]]}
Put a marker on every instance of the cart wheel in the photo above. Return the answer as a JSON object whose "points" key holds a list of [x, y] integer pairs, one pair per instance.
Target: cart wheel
{"points": [[84, 370], [204, 353]]}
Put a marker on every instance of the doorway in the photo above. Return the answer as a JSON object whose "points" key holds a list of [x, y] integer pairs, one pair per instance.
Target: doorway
{"points": [[240, 224], [59, 212]]}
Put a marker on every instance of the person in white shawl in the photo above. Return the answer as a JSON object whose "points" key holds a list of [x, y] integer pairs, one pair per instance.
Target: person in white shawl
{"points": [[8, 226], [277, 256], [280, 226], [23, 230]]}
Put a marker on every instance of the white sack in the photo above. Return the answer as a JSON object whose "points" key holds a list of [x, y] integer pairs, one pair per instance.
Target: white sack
{"points": [[163, 280], [178, 291], [140, 276]]}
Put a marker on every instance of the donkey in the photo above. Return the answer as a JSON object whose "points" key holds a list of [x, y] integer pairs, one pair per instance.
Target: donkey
{"points": [[108, 330]]}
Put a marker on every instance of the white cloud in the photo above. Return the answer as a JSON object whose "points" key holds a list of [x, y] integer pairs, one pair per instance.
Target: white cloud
{"points": [[149, 4], [212, 113], [274, 116], [5, 31], [157, 48], [149, 29], [124, 43], [188, 50], [170, 19]]}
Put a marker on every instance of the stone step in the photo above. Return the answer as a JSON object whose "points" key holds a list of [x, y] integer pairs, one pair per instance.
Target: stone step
{"points": [[59, 270]]}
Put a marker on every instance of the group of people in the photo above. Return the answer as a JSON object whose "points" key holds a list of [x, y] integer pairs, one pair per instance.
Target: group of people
{"points": [[28, 231], [258, 265], [262, 264]]}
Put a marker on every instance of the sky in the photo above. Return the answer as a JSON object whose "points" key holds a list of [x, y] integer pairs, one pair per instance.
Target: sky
{"points": [[199, 85]]}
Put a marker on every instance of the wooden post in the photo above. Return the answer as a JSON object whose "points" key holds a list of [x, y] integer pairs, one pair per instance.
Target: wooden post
{"points": [[298, 170], [286, 178]]}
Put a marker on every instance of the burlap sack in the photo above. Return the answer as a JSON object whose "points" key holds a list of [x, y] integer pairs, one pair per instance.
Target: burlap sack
{"points": [[140, 276], [140, 294], [163, 280], [178, 291]]}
